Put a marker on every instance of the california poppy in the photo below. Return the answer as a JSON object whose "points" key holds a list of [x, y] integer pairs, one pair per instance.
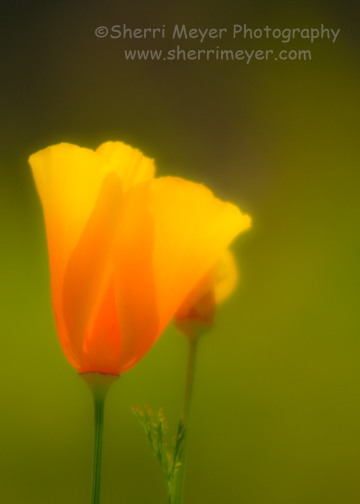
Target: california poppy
{"points": [[125, 249], [196, 314], [194, 317]]}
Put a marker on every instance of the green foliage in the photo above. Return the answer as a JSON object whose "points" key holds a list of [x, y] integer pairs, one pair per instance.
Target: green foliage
{"points": [[155, 433]]}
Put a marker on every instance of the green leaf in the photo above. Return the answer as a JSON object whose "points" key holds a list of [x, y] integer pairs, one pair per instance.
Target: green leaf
{"points": [[156, 435]]}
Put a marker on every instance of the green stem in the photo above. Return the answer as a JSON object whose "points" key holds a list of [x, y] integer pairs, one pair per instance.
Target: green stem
{"points": [[179, 481], [189, 381], [99, 403], [99, 385]]}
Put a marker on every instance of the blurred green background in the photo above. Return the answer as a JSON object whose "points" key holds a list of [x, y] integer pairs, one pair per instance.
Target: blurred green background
{"points": [[276, 412]]}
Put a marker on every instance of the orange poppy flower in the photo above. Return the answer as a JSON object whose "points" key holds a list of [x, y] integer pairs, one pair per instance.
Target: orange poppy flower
{"points": [[196, 314], [125, 249]]}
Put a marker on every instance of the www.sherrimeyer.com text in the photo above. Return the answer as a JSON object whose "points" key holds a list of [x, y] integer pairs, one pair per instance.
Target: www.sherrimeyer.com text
{"points": [[216, 54]]}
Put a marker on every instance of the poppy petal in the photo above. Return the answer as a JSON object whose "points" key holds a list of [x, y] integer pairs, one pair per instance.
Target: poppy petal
{"points": [[134, 277], [129, 163], [192, 229], [68, 179], [102, 344], [226, 277], [170, 236], [87, 273]]}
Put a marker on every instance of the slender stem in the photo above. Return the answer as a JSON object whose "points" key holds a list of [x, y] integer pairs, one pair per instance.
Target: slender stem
{"points": [[99, 385], [179, 481], [189, 381], [99, 403]]}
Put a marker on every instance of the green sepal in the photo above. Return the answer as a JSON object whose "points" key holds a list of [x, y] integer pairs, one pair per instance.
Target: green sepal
{"points": [[99, 383], [193, 328]]}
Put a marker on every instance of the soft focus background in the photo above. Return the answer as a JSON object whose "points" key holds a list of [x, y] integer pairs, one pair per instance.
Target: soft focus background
{"points": [[276, 413]]}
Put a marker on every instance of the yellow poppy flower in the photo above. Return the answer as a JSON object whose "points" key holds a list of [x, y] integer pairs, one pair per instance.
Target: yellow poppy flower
{"points": [[125, 249]]}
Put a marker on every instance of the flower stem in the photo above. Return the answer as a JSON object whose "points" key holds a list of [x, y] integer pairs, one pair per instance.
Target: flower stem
{"points": [[99, 385], [179, 481], [99, 403]]}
